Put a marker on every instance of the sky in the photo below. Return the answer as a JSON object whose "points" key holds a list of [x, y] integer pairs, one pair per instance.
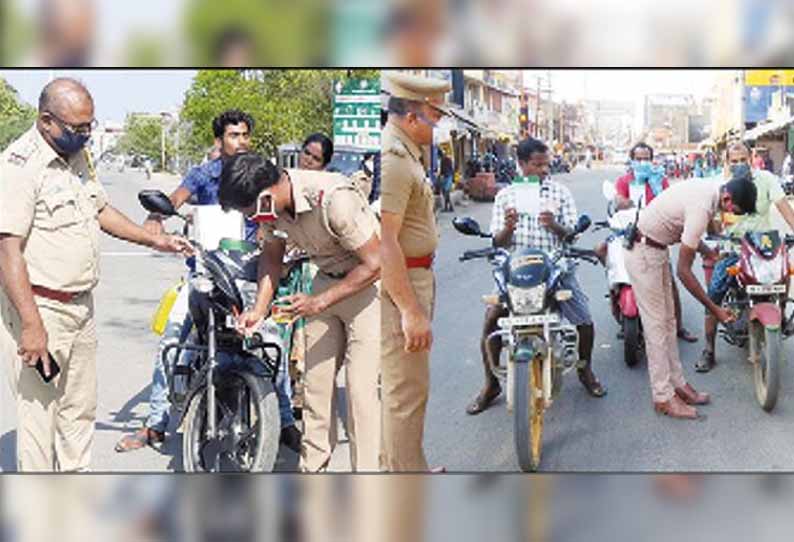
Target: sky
{"points": [[115, 92], [118, 92], [630, 84]]}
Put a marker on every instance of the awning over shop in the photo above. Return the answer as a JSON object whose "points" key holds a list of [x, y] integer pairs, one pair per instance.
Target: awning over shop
{"points": [[768, 128], [465, 122], [706, 144]]}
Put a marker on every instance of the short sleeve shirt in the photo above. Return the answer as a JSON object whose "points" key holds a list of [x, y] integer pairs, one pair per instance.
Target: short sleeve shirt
{"points": [[681, 213], [529, 233], [406, 191], [53, 205], [622, 187], [332, 220], [769, 192], [203, 182]]}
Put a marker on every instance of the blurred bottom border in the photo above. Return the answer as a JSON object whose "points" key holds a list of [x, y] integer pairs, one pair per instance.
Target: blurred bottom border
{"points": [[542, 507]]}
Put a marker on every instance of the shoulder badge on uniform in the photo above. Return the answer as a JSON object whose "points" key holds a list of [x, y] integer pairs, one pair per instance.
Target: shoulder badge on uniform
{"points": [[397, 147], [17, 159]]}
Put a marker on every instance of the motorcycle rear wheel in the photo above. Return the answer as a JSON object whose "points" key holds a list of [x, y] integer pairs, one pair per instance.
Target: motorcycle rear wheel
{"points": [[528, 413], [766, 347], [247, 421], [632, 342]]}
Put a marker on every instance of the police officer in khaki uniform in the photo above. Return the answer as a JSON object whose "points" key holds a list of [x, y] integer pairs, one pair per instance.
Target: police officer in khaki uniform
{"points": [[52, 208], [409, 239], [325, 215]]}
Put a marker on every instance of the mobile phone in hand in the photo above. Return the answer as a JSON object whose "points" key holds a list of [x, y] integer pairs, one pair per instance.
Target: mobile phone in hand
{"points": [[54, 369]]}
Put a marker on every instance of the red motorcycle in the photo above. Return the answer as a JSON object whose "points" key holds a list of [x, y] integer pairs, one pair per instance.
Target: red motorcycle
{"points": [[757, 297]]}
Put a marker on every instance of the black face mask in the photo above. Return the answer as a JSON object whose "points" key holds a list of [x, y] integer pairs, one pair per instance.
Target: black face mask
{"points": [[71, 142], [740, 170]]}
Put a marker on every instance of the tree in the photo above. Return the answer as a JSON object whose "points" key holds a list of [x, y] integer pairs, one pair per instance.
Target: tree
{"points": [[286, 105], [143, 136], [15, 115], [285, 34]]}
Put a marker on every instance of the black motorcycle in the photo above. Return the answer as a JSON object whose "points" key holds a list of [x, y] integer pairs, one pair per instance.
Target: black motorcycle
{"points": [[540, 348], [506, 170], [231, 418], [558, 165]]}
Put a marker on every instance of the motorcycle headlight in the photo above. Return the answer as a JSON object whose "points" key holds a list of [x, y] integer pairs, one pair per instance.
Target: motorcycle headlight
{"points": [[767, 271], [527, 300]]}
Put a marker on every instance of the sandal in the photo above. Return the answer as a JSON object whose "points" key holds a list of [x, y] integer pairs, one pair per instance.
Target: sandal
{"points": [[685, 335], [483, 401], [140, 439], [706, 362], [591, 383]]}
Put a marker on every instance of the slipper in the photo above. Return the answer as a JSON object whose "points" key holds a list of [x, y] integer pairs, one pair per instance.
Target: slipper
{"points": [[706, 362], [482, 402], [139, 439], [685, 335]]}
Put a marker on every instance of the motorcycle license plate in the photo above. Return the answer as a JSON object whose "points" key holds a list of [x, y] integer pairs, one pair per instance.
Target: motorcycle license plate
{"points": [[765, 289], [533, 320]]}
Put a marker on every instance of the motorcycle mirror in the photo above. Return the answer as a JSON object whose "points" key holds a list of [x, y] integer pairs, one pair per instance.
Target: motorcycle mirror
{"points": [[608, 189], [467, 225], [582, 224], [157, 202]]}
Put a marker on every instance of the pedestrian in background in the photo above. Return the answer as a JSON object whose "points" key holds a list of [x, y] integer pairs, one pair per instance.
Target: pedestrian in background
{"points": [[447, 176]]}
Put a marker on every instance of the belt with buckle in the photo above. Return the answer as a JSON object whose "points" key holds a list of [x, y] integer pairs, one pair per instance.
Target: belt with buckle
{"points": [[642, 238], [424, 262], [56, 295]]}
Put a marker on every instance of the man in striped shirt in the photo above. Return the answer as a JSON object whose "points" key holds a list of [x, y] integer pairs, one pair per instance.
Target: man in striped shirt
{"points": [[544, 231]]}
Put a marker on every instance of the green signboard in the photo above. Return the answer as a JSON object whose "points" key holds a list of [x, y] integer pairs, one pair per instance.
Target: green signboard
{"points": [[357, 113]]}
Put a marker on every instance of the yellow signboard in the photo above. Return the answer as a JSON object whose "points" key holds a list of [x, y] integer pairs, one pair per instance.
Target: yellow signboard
{"points": [[769, 78]]}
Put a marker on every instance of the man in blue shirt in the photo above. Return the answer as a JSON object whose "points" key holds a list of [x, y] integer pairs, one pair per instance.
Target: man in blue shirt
{"points": [[232, 130]]}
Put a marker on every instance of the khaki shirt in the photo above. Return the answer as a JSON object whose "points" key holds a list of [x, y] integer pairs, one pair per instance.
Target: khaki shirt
{"points": [[406, 191], [332, 220], [53, 206], [681, 213]]}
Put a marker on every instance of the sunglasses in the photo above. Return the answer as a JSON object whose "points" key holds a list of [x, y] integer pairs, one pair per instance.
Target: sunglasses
{"points": [[86, 128]]}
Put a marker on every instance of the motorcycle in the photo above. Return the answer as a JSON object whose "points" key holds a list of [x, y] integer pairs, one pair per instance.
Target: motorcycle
{"points": [[230, 415], [558, 165], [506, 170], [787, 184], [756, 297], [540, 348], [621, 294], [473, 166]]}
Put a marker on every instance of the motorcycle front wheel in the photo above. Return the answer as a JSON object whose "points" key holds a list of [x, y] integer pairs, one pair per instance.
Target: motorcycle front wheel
{"points": [[528, 413], [766, 349], [247, 422]]}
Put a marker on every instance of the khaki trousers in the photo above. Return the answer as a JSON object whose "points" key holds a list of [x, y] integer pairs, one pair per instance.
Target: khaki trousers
{"points": [[652, 280], [55, 421], [405, 378], [345, 334]]}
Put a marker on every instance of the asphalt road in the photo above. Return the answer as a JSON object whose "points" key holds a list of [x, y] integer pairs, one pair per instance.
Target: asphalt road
{"points": [[619, 432], [132, 281]]}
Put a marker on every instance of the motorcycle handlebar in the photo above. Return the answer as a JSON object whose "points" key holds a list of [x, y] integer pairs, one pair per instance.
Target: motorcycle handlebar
{"points": [[474, 254]]}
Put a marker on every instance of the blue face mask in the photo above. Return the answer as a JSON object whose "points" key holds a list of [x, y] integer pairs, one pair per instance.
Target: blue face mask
{"points": [[739, 170], [642, 170], [71, 142]]}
